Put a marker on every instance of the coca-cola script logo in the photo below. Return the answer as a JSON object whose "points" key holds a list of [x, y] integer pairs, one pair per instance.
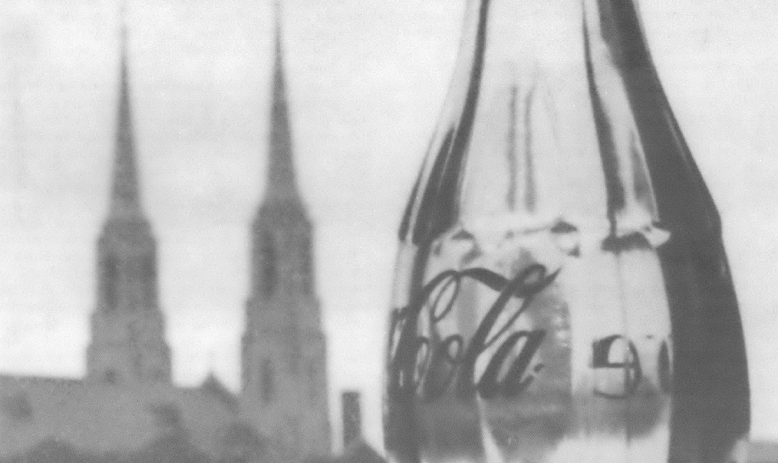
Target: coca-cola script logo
{"points": [[427, 368]]}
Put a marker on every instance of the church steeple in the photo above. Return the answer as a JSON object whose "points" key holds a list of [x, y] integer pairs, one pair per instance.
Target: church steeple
{"points": [[282, 233], [281, 183], [127, 342], [284, 350]]}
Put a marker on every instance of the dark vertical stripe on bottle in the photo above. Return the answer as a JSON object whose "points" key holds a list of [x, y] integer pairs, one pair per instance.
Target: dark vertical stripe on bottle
{"points": [[510, 153], [440, 204], [402, 434], [406, 219], [430, 210], [640, 178], [710, 384], [610, 163], [530, 201]]}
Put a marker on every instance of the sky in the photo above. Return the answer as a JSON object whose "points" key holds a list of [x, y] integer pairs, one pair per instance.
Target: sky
{"points": [[366, 80]]}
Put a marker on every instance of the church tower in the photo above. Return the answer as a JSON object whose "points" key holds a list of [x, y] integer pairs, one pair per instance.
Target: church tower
{"points": [[127, 344], [284, 384]]}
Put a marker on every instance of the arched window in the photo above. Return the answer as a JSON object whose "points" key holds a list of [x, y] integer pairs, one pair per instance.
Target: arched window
{"points": [[267, 381], [313, 391], [17, 407], [149, 278], [306, 268], [111, 377], [111, 281], [268, 263]]}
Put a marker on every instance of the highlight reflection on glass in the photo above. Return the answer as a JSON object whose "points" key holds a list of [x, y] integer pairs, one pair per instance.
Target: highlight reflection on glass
{"points": [[562, 292]]}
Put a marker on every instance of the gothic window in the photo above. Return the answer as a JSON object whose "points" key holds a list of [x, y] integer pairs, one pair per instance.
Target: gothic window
{"points": [[291, 432], [167, 415], [110, 377], [267, 381], [306, 268], [137, 365], [111, 280], [242, 443], [268, 263], [149, 278], [17, 407], [312, 384], [133, 337]]}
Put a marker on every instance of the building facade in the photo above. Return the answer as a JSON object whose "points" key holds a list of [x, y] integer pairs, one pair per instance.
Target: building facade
{"points": [[126, 407]]}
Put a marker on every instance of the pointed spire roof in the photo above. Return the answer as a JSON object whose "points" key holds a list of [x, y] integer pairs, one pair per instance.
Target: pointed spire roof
{"points": [[125, 194], [281, 183], [211, 385]]}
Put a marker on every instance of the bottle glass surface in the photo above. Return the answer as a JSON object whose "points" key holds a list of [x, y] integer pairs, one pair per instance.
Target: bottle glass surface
{"points": [[561, 291]]}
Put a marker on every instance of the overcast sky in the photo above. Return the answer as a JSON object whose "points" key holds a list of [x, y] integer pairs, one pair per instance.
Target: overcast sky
{"points": [[366, 80]]}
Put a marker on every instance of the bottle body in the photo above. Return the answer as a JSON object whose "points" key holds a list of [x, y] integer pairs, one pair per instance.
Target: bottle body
{"points": [[514, 350], [561, 291]]}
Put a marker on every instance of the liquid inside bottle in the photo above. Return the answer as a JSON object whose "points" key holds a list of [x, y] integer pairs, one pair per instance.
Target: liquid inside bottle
{"points": [[562, 292]]}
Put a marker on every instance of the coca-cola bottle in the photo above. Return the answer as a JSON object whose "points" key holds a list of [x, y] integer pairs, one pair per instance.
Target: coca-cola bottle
{"points": [[561, 292]]}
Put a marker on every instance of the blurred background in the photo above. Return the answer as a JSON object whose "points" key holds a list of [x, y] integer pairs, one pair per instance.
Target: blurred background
{"points": [[366, 80]]}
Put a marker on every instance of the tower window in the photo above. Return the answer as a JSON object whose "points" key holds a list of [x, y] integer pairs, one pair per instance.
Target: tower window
{"points": [[306, 268], [17, 407], [268, 263], [167, 415], [267, 381], [111, 280], [111, 377], [149, 278], [312, 384]]}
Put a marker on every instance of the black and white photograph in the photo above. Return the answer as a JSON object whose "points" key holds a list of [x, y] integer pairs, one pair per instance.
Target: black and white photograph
{"points": [[388, 231]]}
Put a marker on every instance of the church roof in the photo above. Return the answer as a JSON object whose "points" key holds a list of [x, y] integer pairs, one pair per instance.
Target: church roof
{"points": [[98, 418]]}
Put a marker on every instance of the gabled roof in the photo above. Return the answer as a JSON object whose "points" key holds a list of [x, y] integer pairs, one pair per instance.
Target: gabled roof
{"points": [[763, 452], [212, 386], [360, 452]]}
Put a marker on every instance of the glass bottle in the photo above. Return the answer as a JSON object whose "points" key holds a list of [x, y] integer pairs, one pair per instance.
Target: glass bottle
{"points": [[561, 292]]}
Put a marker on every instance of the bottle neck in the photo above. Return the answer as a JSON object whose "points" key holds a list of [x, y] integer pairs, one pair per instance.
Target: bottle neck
{"points": [[541, 84]]}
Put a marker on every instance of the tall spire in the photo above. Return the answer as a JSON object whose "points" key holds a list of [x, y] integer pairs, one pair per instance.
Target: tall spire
{"points": [[128, 327], [125, 195], [281, 180]]}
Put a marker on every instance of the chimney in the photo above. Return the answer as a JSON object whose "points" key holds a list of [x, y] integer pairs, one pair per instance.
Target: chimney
{"points": [[352, 418]]}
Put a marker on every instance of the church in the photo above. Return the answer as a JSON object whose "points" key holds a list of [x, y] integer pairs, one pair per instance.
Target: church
{"points": [[126, 407]]}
